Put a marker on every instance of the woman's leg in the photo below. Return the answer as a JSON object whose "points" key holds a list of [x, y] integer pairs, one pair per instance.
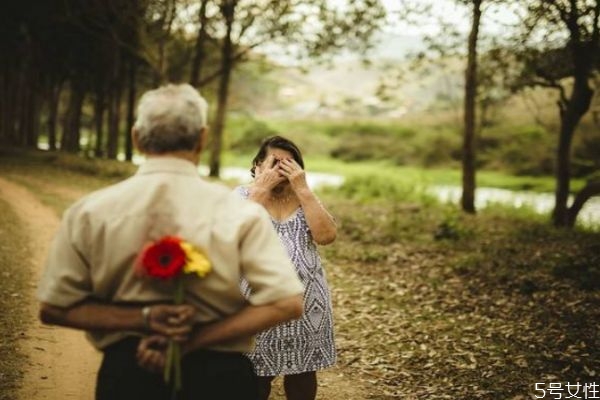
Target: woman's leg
{"points": [[301, 386], [264, 387]]}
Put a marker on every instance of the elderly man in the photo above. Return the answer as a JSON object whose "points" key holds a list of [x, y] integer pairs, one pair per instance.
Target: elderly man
{"points": [[90, 283]]}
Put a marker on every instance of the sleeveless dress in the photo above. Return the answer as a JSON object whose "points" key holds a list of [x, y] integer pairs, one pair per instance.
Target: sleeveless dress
{"points": [[306, 344]]}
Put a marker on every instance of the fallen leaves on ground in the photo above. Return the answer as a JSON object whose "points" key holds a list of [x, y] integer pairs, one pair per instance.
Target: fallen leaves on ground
{"points": [[482, 316]]}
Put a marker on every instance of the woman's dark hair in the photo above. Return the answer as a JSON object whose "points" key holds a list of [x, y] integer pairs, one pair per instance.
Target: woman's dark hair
{"points": [[276, 142]]}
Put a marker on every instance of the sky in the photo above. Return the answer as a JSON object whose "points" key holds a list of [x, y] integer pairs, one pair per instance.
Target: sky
{"points": [[493, 20], [400, 36]]}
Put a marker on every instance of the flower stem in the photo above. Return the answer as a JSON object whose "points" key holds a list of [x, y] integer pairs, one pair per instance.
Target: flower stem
{"points": [[179, 292], [169, 361], [177, 361]]}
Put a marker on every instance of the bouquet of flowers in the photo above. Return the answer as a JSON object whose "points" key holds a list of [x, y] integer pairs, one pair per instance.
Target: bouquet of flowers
{"points": [[170, 258]]}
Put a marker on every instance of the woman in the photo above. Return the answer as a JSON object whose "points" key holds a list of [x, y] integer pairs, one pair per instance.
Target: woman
{"points": [[296, 349]]}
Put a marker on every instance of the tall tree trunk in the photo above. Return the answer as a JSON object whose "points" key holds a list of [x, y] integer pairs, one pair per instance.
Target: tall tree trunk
{"points": [[99, 112], [468, 154], [9, 102], [169, 16], [132, 93], [72, 124], [24, 112], [200, 53], [114, 110], [53, 104], [228, 11], [571, 113], [30, 119], [35, 119]]}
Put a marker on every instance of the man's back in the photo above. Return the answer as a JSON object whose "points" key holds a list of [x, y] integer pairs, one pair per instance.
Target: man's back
{"points": [[107, 229]]}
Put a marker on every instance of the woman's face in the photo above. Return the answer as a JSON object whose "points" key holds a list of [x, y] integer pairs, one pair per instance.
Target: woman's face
{"points": [[278, 154]]}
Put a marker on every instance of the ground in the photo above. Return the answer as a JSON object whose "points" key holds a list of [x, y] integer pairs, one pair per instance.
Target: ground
{"points": [[429, 303], [61, 364]]}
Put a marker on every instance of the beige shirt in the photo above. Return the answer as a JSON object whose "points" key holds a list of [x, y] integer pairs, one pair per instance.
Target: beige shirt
{"points": [[93, 253]]}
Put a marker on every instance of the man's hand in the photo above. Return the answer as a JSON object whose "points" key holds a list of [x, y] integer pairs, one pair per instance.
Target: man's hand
{"points": [[151, 353], [172, 321]]}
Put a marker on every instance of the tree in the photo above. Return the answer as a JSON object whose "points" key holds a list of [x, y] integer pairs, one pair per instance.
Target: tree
{"points": [[468, 154], [449, 42], [560, 49], [244, 25], [200, 47], [67, 57]]}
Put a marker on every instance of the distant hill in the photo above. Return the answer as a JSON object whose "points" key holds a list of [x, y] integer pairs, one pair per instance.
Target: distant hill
{"points": [[365, 85]]}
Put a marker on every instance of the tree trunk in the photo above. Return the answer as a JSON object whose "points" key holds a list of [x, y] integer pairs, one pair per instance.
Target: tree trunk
{"points": [[9, 102], [53, 104], [132, 93], [35, 119], [72, 124], [99, 112], [199, 55], [468, 153], [160, 73], [228, 11], [114, 111], [25, 110], [591, 189], [572, 111]]}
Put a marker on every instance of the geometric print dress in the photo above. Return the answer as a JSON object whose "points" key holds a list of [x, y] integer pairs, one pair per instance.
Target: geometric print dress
{"points": [[306, 344]]}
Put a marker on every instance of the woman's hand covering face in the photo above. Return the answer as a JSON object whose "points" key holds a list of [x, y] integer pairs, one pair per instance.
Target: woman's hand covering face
{"points": [[268, 174], [294, 173]]}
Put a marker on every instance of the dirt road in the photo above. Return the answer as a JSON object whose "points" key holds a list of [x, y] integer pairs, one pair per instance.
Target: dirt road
{"points": [[61, 363]]}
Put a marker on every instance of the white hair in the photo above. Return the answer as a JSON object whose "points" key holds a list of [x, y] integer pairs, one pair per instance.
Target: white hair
{"points": [[170, 118]]}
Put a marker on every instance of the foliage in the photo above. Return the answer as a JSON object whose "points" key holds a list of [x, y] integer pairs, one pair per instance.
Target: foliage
{"points": [[366, 187], [251, 138]]}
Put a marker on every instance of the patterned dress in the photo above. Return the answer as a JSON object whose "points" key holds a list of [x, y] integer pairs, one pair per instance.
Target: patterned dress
{"points": [[306, 344]]}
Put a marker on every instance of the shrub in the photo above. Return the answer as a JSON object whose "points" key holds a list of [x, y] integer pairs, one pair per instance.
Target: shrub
{"points": [[251, 137]]}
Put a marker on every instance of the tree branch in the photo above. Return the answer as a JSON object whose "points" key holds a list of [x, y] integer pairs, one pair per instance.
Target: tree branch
{"points": [[591, 189], [238, 56]]}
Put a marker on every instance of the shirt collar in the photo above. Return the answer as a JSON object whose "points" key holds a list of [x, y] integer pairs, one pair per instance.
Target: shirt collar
{"points": [[168, 164]]}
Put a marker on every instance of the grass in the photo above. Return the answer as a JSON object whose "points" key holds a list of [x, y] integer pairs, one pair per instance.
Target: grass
{"points": [[413, 175], [13, 283]]}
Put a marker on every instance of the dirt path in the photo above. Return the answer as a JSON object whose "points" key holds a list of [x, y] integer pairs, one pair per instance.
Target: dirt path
{"points": [[61, 363]]}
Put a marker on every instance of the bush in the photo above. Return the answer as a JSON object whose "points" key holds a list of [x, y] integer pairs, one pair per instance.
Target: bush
{"points": [[383, 187], [251, 137], [511, 149], [357, 147]]}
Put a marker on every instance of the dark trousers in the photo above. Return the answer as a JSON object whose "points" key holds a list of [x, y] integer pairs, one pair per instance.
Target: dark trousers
{"points": [[207, 375]]}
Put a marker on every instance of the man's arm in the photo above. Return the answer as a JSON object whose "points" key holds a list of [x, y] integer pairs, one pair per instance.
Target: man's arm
{"points": [[247, 322], [169, 320]]}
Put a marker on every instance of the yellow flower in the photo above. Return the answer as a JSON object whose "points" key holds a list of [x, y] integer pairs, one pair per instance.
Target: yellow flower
{"points": [[197, 262]]}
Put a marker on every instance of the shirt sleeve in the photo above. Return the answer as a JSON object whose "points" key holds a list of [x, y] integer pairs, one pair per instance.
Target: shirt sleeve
{"points": [[66, 279], [266, 266]]}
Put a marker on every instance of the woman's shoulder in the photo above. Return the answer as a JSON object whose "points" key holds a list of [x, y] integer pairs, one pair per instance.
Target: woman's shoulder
{"points": [[242, 190]]}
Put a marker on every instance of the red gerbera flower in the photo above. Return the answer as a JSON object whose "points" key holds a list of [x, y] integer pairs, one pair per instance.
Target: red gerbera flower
{"points": [[163, 259]]}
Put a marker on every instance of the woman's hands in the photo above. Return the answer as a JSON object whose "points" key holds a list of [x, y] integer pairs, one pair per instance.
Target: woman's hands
{"points": [[294, 173], [268, 174]]}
